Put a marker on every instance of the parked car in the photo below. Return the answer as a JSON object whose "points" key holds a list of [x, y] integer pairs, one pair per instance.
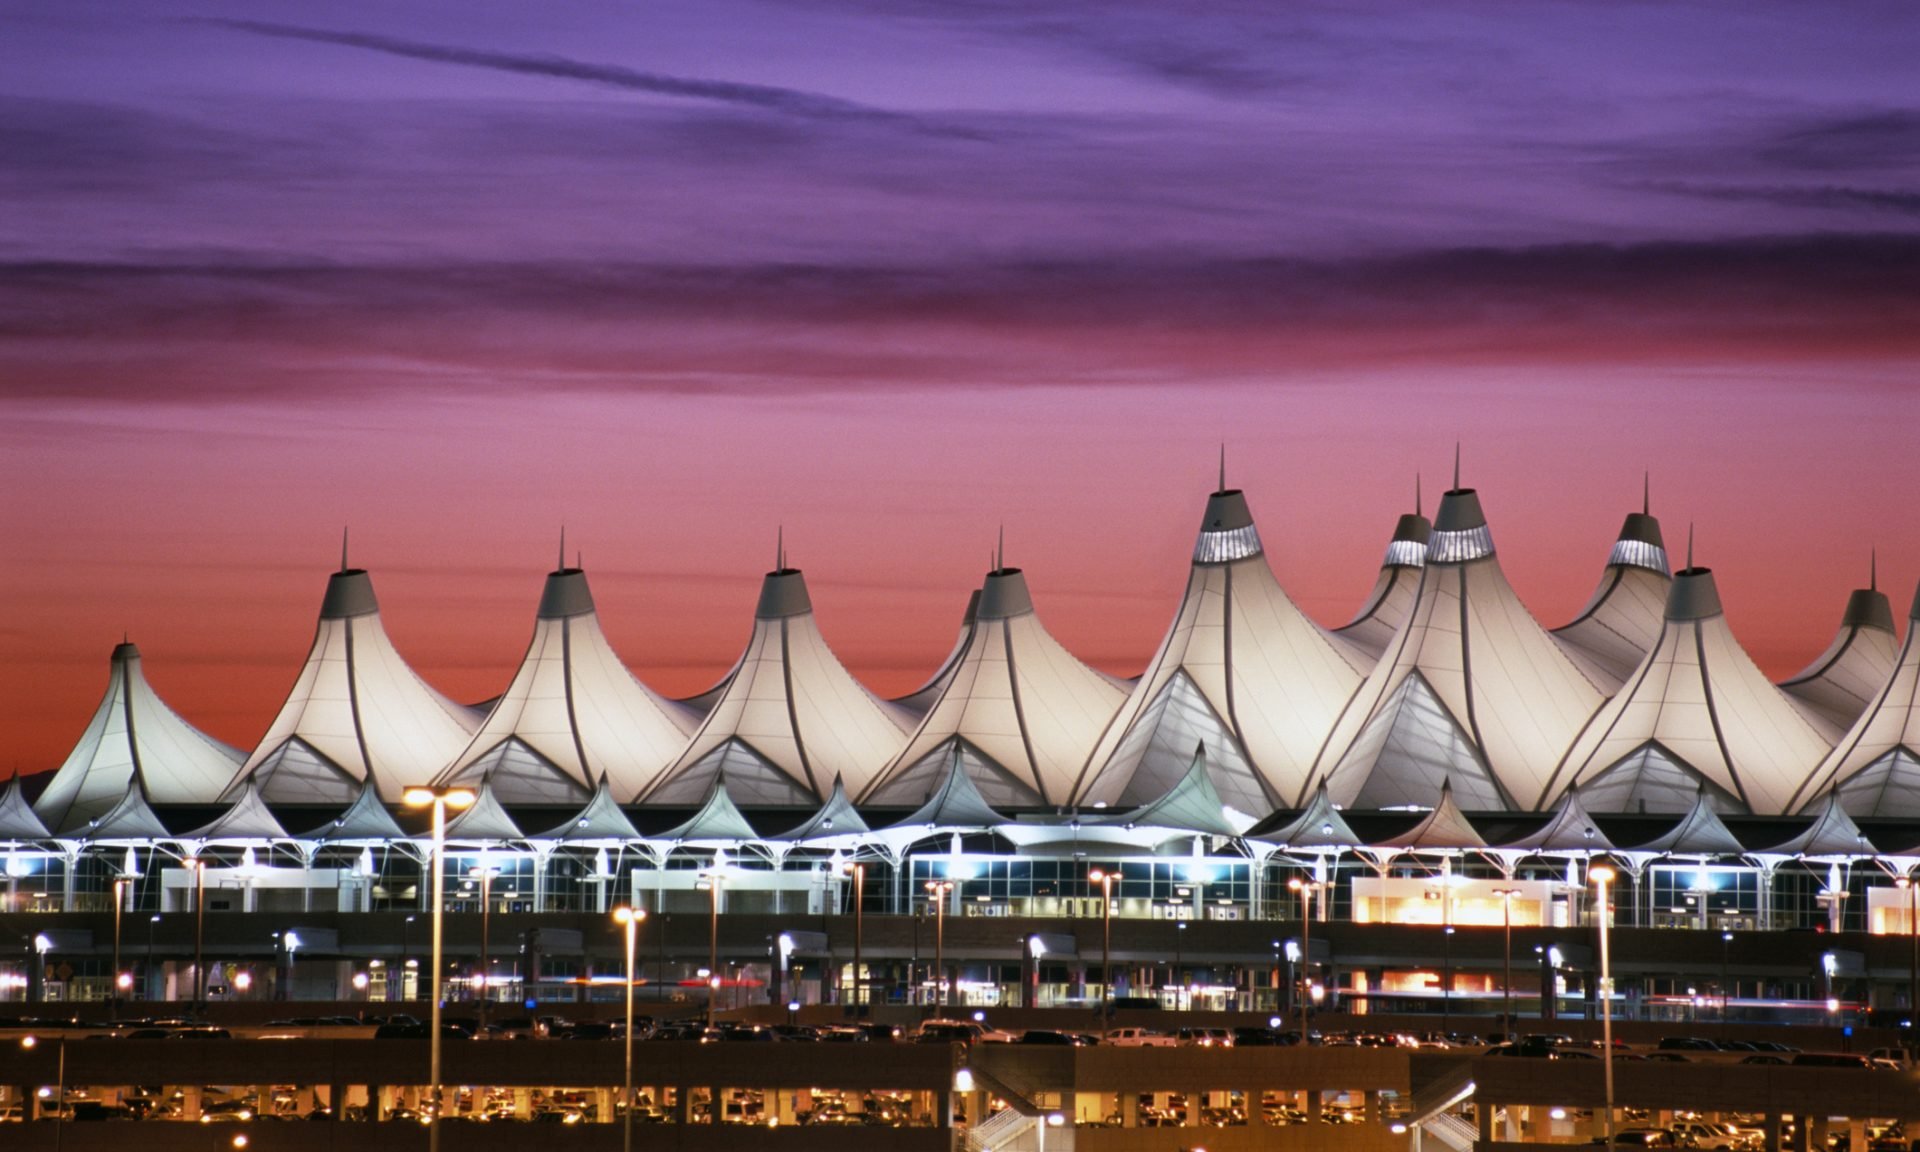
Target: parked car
{"points": [[1204, 1038], [1642, 1138], [1140, 1038], [1700, 1134], [1831, 1060], [1687, 1044]]}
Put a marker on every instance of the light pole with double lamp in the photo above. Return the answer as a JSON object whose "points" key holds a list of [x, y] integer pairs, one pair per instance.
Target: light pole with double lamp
{"points": [[484, 982], [1105, 879], [1506, 980], [937, 893], [710, 883], [439, 800], [1306, 889], [199, 868], [1603, 876], [628, 918], [1906, 884], [858, 871]]}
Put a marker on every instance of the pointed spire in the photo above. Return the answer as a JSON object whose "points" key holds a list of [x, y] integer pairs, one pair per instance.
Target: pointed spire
{"points": [[780, 548], [1873, 570], [1419, 504], [578, 560], [1646, 493], [1689, 544], [1000, 551], [1456, 465], [1223, 466], [343, 548], [561, 564]]}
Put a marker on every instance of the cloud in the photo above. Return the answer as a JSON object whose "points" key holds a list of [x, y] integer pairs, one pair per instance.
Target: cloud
{"points": [[765, 97], [212, 331], [1823, 196], [1882, 139]]}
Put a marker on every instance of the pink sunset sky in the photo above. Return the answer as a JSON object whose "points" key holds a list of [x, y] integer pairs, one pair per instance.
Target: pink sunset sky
{"points": [[892, 276]]}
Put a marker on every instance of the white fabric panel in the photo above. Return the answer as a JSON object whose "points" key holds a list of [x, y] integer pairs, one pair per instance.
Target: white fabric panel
{"points": [[1022, 702], [411, 731], [1619, 625], [751, 780], [1649, 779], [629, 734], [519, 774], [1870, 757], [1525, 699], [1834, 690], [178, 763], [1410, 749], [1888, 787], [296, 774], [1238, 638], [1722, 720], [1387, 607], [916, 783], [1163, 737]]}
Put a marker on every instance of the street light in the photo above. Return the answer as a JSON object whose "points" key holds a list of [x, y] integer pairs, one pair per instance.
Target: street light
{"points": [[628, 918], [406, 961], [119, 900], [1913, 954], [146, 976], [1105, 880], [28, 1044], [1306, 889], [1726, 949], [1179, 944], [711, 884], [485, 982], [438, 799], [1506, 906], [858, 871], [199, 868], [1603, 876], [937, 894]]}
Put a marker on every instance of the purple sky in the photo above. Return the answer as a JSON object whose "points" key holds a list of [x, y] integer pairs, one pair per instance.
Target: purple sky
{"points": [[891, 273]]}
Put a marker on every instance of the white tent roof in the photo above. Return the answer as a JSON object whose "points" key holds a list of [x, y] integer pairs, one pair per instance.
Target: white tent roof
{"points": [[1623, 618], [923, 697], [717, 824], [572, 714], [1699, 832], [1834, 690], [18, 820], [134, 738], [1242, 671], [600, 821], [788, 718], [1833, 834], [483, 822], [355, 711], [247, 821], [1319, 825], [1875, 767], [366, 821], [1696, 714], [1445, 829], [834, 824], [130, 821], [1572, 829], [956, 806], [1191, 805], [1471, 691], [1022, 710], [1394, 590]]}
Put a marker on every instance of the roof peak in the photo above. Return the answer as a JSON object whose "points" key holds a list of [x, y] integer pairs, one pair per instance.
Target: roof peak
{"points": [[1004, 594], [565, 594], [349, 593], [1693, 595], [783, 593]]}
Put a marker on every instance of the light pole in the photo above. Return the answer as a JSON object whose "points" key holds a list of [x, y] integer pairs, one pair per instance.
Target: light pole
{"points": [[485, 982], [1913, 956], [1179, 978], [859, 873], [29, 1043], [1603, 876], [406, 959], [628, 918], [1726, 949], [438, 799], [119, 894], [937, 893], [146, 977], [199, 868], [1306, 889], [1105, 880], [711, 883], [1506, 906]]}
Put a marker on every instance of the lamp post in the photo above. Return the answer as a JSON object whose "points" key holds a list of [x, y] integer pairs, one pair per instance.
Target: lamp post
{"points": [[711, 884], [438, 799], [859, 873], [119, 892], [199, 868], [485, 981], [1105, 880], [1276, 976], [29, 1043], [1726, 949], [1306, 889], [1179, 977], [1603, 876], [628, 918], [937, 893], [1912, 890], [406, 960], [146, 976], [1506, 907]]}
